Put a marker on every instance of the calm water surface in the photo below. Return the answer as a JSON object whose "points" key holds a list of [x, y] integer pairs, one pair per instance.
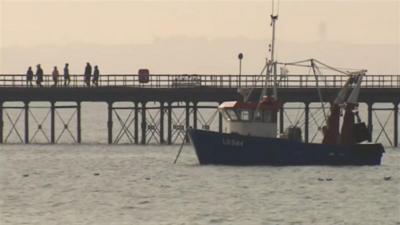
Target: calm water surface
{"points": [[102, 184]]}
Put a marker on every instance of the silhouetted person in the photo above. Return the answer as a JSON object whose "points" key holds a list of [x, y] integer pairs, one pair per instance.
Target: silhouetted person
{"points": [[67, 79], [39, 75], [55, 75], [88, 73], [29, 76], [96, 74]]}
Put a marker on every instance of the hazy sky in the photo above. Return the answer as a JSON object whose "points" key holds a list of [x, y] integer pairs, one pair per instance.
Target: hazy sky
{"points": [[91, 25]]}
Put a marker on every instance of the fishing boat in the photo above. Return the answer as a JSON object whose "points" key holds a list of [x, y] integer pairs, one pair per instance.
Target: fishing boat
{"points": [[250, 135]]}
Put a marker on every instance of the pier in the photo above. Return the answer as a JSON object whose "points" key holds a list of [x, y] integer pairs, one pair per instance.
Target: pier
{"points": [[165, 105]]}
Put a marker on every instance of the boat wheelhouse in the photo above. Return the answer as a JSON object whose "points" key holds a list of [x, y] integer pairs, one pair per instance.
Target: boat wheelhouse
{"points": [[251, 118]]}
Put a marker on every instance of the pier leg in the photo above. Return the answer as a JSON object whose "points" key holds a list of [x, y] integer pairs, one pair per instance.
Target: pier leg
{"points": [[78, 121], [169, 123], [195, 115], [396, 126], [220, 121], [162, 122], [1, 123], [187, 115], [52, 123], [110, 123], [370, 121], [187, 109], [144, 123], [26, 106], [306, 121], [281, 119], [136, 123]]}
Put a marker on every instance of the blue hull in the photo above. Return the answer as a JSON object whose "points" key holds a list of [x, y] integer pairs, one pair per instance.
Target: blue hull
{"points": [[234, 149]]}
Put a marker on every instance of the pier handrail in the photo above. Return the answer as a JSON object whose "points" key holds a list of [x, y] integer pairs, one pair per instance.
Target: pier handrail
{"points": [[189, 80]]}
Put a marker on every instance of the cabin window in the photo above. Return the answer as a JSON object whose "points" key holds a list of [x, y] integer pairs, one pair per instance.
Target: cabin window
{"points": [[270, 116], [245, 115], [232, 115], [274, 117], [258, 116], [267, 116]]}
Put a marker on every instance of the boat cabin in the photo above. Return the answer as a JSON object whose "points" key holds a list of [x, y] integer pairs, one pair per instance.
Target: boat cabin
{"points": [[251, 118]]}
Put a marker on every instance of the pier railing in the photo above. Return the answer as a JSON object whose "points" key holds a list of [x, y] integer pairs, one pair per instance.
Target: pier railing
{"points": [[193, 81]]}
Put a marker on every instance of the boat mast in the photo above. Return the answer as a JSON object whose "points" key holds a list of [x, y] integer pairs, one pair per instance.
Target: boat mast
{"points": [[270, 65], [274, 18]]}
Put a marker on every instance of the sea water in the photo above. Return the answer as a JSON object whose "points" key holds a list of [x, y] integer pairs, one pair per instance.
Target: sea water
{"points": [[104, 184]]}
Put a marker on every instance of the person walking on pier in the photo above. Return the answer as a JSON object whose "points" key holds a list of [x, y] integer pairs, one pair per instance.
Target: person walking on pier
{"points": [[96, 75], [55, 75], [29, 76], [67, 79], [39, 75], [88, 73]]}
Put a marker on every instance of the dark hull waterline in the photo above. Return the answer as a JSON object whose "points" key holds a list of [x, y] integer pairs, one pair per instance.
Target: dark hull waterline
{"points": [[234, 149]]}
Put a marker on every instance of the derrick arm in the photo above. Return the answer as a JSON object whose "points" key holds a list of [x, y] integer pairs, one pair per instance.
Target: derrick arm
{"points": [[347, 135], [331, 130]]}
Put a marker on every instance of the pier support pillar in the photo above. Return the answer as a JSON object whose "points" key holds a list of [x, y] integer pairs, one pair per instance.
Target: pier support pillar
{"points": [[369, 121], [26, 107], [136, 123], [78, 121], [396, 125], [162, 123], [220, 121], [144, 123], [281, 119], [1, 123], [195, 115], [169, 118], [187, 115], [52, 122], [306, 121], [110, 123]]}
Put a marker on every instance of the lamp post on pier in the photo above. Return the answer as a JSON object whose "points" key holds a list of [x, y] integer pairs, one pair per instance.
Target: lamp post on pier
{"points": [[240, 56]]}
